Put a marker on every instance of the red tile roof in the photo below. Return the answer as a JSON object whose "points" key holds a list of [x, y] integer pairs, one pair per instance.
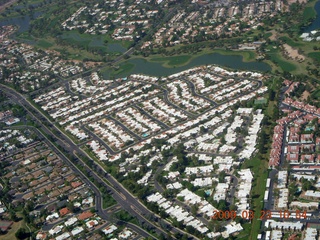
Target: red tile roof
{"points": [[85, 215], [64, 211]]}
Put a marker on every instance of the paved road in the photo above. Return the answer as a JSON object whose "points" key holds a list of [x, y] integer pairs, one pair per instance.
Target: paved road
{"points": [[119, 193], [193, 92], [163, 125], [118, 197], [125, 128], [233, 190]]}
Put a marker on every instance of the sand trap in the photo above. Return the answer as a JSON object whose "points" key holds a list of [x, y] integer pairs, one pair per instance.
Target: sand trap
{"points": [[292, 53]]}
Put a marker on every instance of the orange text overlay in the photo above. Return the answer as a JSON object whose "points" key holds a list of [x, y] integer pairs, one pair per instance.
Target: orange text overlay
{"points": [[262, 215]]}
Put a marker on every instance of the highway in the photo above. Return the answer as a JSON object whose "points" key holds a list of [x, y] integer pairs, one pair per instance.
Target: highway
{"points": [[124, 198], [119, 193], [118, 197]]}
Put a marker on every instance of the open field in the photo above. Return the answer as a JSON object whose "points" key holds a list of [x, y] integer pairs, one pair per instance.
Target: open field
{"points": [[258, 168], [280, 63], [291, 42], [11, 233], [309, 13], [315, 56], [247, 56]]}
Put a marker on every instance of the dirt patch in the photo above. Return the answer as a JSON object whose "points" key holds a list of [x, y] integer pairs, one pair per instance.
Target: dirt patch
{"points": [[88, 64], [305, 95], [274, 35], [292, 53]]}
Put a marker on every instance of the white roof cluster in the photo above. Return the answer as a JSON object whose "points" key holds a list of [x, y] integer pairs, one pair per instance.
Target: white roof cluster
{"points": [[311, 234], [137, 122], [160, 109], [110, 229], [180, 94], [221, 191], [284, 225], [224, 163], [245, 185], [203, 182], [312, 194], [201, 170], [178, 212], [145, 178], [251, 138], [231, 228]]}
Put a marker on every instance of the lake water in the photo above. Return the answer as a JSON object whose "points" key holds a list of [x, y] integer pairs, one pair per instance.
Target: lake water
{"points": [[316, 23], [232, 61], [153, 68], [22, 21]]}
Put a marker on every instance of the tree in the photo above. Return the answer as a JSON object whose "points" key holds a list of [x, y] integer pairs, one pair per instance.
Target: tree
{"points": [[21, 233], [194, 209], [222, 205]]}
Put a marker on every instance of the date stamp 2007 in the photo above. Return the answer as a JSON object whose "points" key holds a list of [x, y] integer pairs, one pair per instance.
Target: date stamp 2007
{"points": [[263, 215]]}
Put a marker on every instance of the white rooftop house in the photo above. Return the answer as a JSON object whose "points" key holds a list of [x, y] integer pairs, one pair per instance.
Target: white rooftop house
{"points": [[71, 221], [77, 230], [276, 235], [284, 225], [220, 191], [283, 198], [282, 179], [145, 178], [109, 229], [176, 185], [202, 182], [63, 236], [56, 230], [245, 185], [201, 170], [312, 194], [311, 234], [231, 228]]}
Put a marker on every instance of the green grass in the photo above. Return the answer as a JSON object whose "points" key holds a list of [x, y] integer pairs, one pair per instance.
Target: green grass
{"points": [[14, 228], [315, 56], [259, 169], [109, 72], [280, 63], [44, 44], [270, 108], [125, 216], [267, 35], [309, 13], [247, 55], [290, 42], [125, 67], [316, 94], [245, 233], [183, 59], [173, 61], [108, 201], [25, 36]]}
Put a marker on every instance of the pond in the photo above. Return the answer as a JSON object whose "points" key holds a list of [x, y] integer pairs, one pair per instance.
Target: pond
{"points": [[316, 23], [156, 69], [22, 21]]}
